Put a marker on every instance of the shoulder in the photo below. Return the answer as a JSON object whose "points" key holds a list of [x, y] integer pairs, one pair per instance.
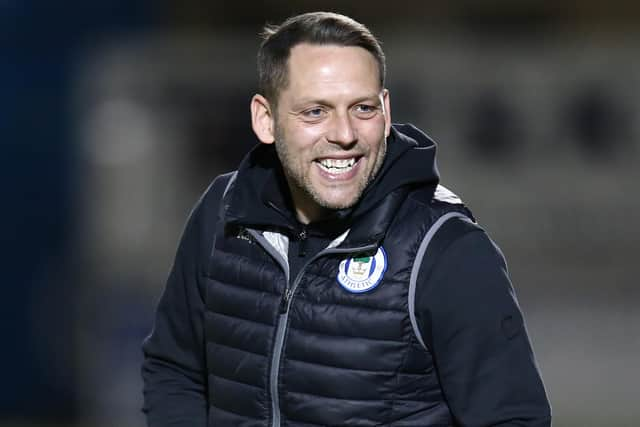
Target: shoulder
{"points": [[464, 265], [444, 195], [462, 272], [210, 202], [474, 249], [434, 195], [205, 212], [436, 202], [455, 249], [197, 236], [217, 189]]}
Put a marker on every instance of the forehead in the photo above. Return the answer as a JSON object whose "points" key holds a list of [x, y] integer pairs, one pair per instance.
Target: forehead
{"points": [[314, 66]]}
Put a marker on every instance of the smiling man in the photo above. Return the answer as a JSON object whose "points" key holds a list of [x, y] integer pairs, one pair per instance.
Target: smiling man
{"points": [[331, 124], [331, 280]]}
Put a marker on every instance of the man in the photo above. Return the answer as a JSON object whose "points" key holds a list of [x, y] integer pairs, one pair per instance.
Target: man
{"points": [[331, 280]]}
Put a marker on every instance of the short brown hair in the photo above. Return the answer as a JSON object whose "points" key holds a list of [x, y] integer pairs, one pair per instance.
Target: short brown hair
{"points": [[314, 28]]}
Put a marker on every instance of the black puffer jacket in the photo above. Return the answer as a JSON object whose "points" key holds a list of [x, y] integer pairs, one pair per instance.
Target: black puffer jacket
{"points": [[365, 333]]}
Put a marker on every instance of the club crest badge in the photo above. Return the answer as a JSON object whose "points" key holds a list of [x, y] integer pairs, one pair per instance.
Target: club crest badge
{"points": [[361, 274]]}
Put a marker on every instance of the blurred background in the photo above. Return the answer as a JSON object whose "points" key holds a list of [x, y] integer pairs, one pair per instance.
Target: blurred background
{"points": [[115, 115]]}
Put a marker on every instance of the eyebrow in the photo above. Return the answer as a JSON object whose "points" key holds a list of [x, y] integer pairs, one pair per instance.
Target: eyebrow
{"points": [[319, 101]]}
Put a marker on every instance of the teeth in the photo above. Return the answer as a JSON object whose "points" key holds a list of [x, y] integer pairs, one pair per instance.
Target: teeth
{"points": [[338, 165]]}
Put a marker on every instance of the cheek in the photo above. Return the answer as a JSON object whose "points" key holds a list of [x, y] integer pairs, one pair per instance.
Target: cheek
{"points": [[295, 152], [309, 134], [303, 139], [373, 133]]}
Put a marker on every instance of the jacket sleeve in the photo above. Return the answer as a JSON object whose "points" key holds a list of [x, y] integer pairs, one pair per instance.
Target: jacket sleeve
{"points": [[471, 322], [174, 369]]}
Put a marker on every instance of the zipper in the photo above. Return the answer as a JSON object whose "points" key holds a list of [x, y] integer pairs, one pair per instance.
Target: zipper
{"points": [[283, 311], [286, 297], [302, 237], [278, 346], [275, 367], [283, 321]]}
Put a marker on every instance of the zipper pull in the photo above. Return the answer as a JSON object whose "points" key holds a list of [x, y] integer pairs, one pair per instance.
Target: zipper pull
{"points": [[302, 247], [284, 302]]}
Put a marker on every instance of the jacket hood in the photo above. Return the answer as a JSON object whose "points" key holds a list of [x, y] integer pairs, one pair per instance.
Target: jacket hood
{"points": [[260, 196], [410, 161]]}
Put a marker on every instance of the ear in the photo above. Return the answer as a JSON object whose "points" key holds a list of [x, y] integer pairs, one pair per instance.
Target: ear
{"points": [[262, 119], [386, 105]]}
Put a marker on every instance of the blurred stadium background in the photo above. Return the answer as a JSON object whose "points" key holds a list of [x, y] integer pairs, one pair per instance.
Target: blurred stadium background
{"points": [[114, 116]]}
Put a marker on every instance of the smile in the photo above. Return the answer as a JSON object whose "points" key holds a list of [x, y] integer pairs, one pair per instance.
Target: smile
{"points": [[337, 166]]}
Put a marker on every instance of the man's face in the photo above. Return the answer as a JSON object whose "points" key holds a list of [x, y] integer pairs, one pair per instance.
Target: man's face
{"points": [[331, 125]]}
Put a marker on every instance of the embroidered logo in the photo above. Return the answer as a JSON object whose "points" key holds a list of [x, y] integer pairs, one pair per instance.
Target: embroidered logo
{"points": [[361, 274]]}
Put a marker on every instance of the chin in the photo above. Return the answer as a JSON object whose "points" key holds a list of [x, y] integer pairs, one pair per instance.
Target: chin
{"points": [[338, 202]]}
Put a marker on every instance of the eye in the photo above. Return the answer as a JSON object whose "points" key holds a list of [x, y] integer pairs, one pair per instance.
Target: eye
{"points": [[314, 113], [365, 111]]}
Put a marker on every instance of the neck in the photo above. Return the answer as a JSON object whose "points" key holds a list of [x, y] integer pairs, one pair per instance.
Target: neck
{"points": [[306, 209], [307, 214]]}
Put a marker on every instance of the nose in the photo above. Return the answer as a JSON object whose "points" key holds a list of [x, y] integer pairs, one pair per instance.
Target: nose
{"points": [[342, 130]]}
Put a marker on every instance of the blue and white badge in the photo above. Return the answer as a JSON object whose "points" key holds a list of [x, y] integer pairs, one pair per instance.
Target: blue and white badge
{"points": [[361, 274]]}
